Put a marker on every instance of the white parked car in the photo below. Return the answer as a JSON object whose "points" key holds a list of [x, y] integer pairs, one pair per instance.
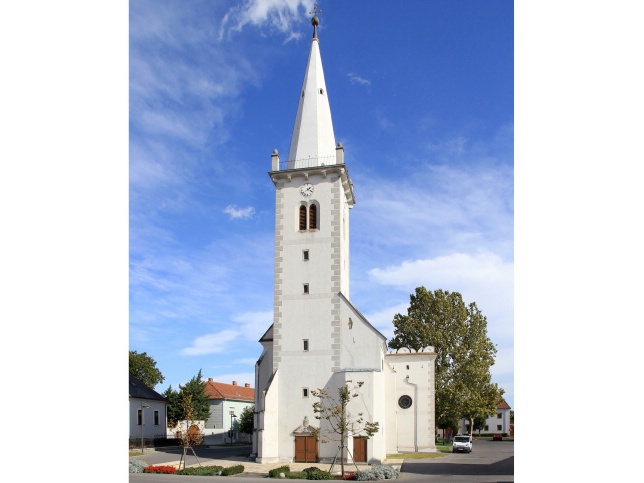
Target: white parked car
{"points": [[462, 443]]}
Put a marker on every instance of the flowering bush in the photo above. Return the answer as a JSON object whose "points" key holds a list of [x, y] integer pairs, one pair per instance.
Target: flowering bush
{"points": [[160, 469], [348, 476]]}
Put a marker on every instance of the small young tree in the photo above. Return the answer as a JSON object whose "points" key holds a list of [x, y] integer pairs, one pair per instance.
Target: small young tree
{"points": [[479, 423], [341, 423], [191, 435], [246, 422]]}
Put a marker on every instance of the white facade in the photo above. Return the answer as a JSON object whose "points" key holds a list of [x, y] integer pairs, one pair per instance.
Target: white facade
{"points": [[499, 422], [154, 418], [318, 338]]}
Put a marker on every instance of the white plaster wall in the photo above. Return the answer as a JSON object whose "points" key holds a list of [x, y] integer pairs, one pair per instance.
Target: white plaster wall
{"points": [[414, 376], [150, 430], [362, 347]]}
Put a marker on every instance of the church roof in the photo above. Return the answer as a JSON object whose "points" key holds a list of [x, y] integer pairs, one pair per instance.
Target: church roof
{"points": [[313, 141], [220, 390], [141, 391]]}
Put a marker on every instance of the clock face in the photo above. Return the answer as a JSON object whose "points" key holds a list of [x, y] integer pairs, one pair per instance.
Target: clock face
{"points": [[307, 189]]}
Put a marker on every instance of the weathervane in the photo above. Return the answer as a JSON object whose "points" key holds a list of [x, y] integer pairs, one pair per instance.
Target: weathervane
{"points": [[315, 21]]}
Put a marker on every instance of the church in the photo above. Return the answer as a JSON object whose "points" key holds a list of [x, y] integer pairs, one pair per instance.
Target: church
{"points": [[319, 339]]}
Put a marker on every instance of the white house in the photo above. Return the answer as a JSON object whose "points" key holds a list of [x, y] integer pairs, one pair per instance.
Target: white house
{"points": [[227, 401], [499, 422], [318, 338], [147, 412]]}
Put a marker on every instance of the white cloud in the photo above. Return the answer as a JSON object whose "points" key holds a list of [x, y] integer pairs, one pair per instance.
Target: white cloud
{"points": [[280, 15], [356, 79], [235, 212], [211, 343], [382, 319], [483, 278], [254, 324]]}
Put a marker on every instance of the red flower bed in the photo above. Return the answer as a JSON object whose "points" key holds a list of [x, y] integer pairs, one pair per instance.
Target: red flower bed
{"points": [[160, 469], [348, 476]]}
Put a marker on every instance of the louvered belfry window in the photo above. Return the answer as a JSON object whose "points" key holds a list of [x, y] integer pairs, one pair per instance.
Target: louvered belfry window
{"points": [[313, 217], [302, 217]]}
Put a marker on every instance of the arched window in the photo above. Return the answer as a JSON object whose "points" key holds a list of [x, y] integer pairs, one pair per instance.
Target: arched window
{"points": [[313, 217], [302, 217]]}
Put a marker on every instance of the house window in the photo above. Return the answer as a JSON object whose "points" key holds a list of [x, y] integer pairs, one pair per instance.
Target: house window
{"points": [[305, 392], [485, 428], [302, 217], [305, 344], [498, 415], [499, 427], [306, 288], [305, 255], [156, 418], [139, 418], [322, 91], [313, 217]]}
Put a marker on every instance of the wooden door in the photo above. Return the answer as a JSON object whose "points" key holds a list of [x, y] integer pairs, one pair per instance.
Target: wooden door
{"points": [[359, 450], [306, 449]]}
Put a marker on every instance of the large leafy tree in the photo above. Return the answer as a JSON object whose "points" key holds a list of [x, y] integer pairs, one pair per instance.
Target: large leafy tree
{"points": [[144, 368], [458, 333]]}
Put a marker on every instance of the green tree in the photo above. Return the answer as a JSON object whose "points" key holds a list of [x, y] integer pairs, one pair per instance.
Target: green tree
{"points": [[196, 388], [246, 423], [479, 423], [173, 406], [458, 333], [199, 405], [340, 423], [144, 368]]}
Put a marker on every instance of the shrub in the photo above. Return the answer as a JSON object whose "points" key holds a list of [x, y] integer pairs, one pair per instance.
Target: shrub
{"points": [[310, 469], [232, 470], [319, 475], [276, 472], [201, 471], [160, 469], [136, 466], [387, 472], [366, 475]]}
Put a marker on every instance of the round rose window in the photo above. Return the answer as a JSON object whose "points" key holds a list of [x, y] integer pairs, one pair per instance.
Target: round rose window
{"points": [[404, 402]]}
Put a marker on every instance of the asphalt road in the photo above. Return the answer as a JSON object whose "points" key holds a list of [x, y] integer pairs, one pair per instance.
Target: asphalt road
{"points": [[489, 461], [167, 455]]}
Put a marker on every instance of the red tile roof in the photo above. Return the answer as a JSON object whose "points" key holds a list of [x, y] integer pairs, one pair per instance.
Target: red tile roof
{"points": [[503, 405], [219, 390]]}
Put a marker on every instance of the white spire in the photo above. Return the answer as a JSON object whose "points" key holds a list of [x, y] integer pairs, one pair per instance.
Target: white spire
{"points": [[313, 142]]}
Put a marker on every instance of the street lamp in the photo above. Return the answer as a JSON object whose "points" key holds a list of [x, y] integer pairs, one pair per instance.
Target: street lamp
{"points": [[143, 405], [232, 415]]}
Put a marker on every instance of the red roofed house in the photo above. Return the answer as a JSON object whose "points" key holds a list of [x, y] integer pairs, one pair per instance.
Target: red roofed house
{"points": [[497, 423], [224, 399]]}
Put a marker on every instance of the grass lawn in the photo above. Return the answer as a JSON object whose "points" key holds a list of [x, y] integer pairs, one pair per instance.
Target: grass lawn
{"points": [[413, 456], [135, 453]]}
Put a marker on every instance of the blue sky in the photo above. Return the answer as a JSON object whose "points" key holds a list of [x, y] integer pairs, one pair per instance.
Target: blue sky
{"points": [[69, 214], [422, 100]]}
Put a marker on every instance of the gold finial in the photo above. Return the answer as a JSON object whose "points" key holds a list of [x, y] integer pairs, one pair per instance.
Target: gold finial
{"points": [[315, 21]]}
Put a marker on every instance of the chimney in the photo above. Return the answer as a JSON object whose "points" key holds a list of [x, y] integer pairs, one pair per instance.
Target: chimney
{"points": [[210, 379], [246, 385], [234, 383]]}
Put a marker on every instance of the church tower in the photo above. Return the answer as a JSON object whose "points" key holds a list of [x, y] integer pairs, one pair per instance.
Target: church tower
{"points": [[318, 339]]}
